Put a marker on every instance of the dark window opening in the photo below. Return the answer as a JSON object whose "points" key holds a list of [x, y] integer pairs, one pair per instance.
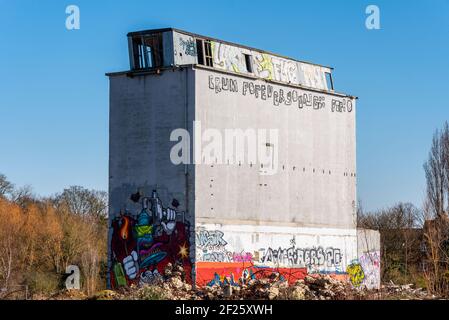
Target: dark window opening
{"points": [[329, 81], [249, 63], [147, 51], [199, 50]]}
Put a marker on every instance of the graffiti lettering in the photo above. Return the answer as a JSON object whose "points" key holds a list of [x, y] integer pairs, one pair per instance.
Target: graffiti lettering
{"points": [[278, 96], [297, 257], [269, 67], [210, 239], [222, 84], [341, 105], [188, 46]]}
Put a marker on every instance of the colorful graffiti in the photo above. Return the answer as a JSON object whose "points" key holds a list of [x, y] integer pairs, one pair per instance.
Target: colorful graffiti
{"points": [[365, 271], [228, 57], [370, 263], [219, 262], [211, 247], [266, 66], [143, 244], [356, 274], [238, 273]]}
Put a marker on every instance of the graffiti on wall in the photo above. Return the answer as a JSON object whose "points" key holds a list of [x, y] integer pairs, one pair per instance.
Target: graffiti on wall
{"points": [[281, 96], [285, 70], [311, 258], [231, 58], [228, 57], [219, 262], [370, 262], [365, 271], [188, 45], [263, 66], [356, 274], [143, 244], [211, 247], [238, 273], [341, 105]]}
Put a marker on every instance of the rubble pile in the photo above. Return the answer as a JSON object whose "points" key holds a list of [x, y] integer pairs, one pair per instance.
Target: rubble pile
{"points": [[311, 288], [405, 292], [169, 286], [172, 285]]}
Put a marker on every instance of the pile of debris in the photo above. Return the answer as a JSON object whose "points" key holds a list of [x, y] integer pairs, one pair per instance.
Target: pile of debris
{"points": [[405, 292], [171, 285], [319, 287]]}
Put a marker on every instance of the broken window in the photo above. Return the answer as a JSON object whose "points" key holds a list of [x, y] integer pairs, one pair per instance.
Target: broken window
{"points": [[147, 51], [329, 82], [249, 63], [204, 52], [208, 53]]}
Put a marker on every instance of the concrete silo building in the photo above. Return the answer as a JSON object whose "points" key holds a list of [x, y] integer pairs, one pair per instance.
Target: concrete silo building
{"points": [[232, 162]]}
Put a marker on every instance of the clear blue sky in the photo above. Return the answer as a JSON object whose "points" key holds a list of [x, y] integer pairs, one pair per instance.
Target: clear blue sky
{"points": [[54, 95]]}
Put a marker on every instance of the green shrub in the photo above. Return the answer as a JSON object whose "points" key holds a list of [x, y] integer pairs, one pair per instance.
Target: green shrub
{"points": [[44, 282]]}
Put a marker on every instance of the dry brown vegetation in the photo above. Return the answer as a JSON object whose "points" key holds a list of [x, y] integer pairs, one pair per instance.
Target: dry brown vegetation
{"points": [[39, 238]]}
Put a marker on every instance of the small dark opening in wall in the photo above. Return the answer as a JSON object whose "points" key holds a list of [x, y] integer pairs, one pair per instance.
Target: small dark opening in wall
{"points": [[329, 81], [249, 63]]}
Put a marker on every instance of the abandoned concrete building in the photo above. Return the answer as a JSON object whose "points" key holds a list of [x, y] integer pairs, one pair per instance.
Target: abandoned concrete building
{"points": [[224, 218]]}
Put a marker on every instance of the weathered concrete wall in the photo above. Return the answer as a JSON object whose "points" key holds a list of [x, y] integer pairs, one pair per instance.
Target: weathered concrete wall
{"points": [[315, 182], [300, 219], [185, 51], [146, 234]]}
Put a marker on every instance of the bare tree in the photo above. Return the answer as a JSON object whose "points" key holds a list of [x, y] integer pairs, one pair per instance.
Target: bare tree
{"points": [[436, 169], [400, 229], [436, 226], [6, 187], [84, 202]]}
